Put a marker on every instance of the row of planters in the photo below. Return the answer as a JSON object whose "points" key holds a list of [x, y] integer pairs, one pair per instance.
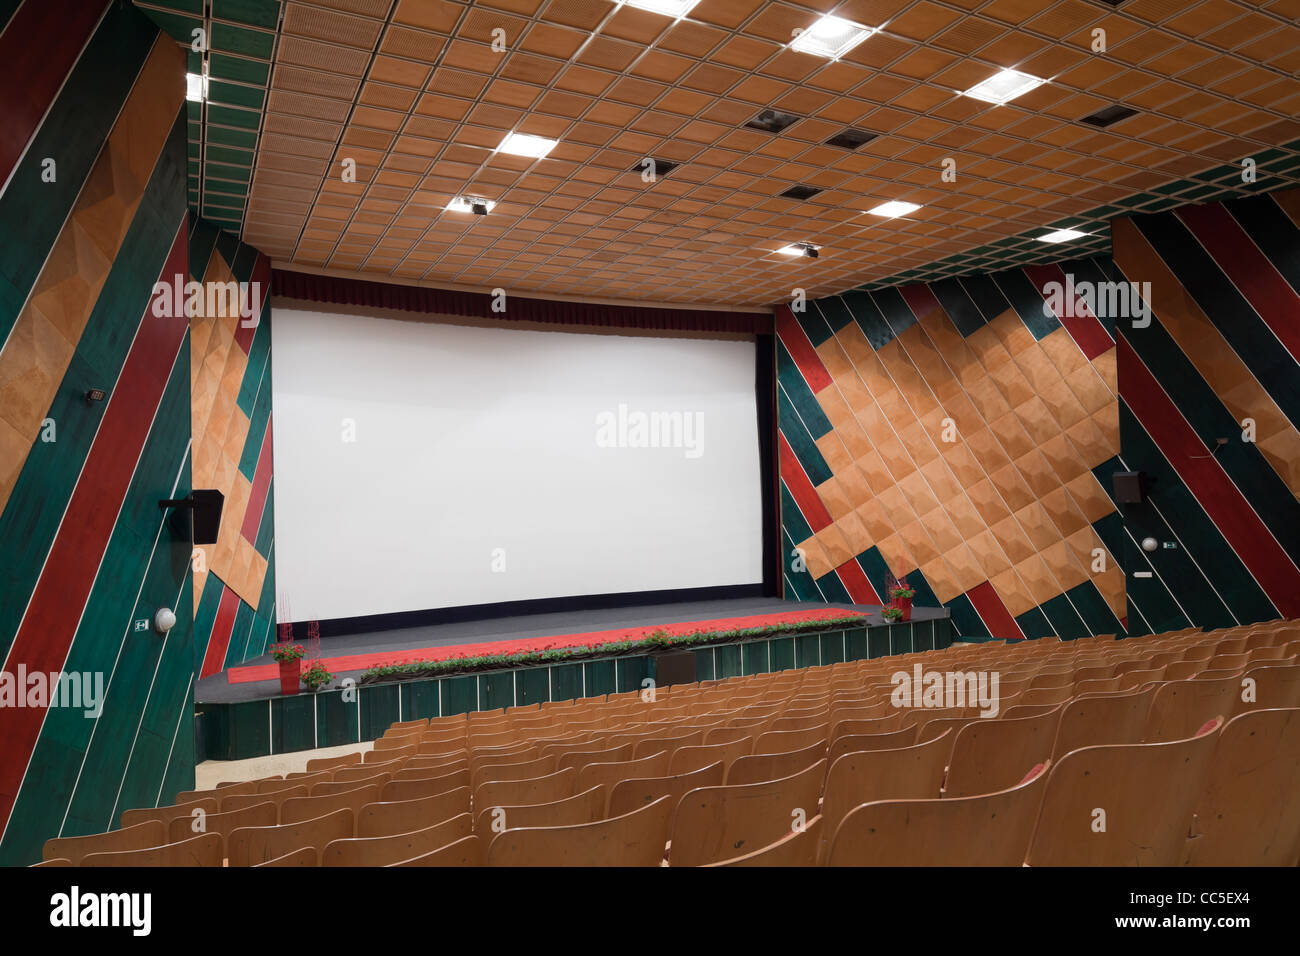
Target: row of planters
{"points": [[292, 673], [656, 641]]}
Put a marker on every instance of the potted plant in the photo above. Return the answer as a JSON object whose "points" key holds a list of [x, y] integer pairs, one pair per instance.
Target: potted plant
{"points": [[892, 615], [901, 598], [316, 676], [290, 658]]}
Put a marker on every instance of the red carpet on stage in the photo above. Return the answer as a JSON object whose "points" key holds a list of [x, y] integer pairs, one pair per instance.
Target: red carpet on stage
{"points": [[591, 639]]}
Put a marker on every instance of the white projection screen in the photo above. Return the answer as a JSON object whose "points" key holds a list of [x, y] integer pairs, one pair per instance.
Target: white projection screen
{"points": [[421, 465]]}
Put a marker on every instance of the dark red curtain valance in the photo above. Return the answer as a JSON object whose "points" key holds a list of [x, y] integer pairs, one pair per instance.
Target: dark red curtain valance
{"points": [[385, 295]]}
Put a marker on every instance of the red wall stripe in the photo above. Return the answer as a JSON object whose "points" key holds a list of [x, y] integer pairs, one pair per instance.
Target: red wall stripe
{"points": [[994, 613], [801, 349], [214, 658], [38, 49], [261, 485], [801, 489], [920, 299], [856, 583], [1250, 271], [1209, 483], [261, 279], [1084, 327], [45, 635]]}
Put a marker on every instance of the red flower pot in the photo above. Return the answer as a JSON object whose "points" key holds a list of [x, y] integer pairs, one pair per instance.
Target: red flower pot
{"points": [[290, 676], [904, 605]]}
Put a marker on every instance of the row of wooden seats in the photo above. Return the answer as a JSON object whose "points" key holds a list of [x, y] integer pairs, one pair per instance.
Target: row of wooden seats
{"points": [[741, 763]]}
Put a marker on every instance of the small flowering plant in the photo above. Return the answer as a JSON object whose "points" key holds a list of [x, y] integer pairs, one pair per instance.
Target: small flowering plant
{"points": [[897, 593], [284, 652], [316, 676], [892, 614]]}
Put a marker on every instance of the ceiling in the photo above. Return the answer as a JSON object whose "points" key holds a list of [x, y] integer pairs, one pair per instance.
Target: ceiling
{"points": [[414, 92]]}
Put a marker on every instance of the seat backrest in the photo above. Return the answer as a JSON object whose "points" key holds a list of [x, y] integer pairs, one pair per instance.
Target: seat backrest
{"points": [[148, 833], [167, 814], [688, 759], [1122, 804], [245, 800], [467, 851], [756, 768], [201, 850], [413, 789], [988, 830], [608, 774], [628, 795], [1271, 686], [262, 814], [785, 741], [851, 743], [250, 845], [1247, 814], [1178, 708], [586, 806], [333, 763], [1097, 719], [796, 848], [518, 793], [389, 817], [538, 767], [384, 850], [989, 756], [304, 856], [633, 839], [298, 809], [666, 743], [914, 772], [718, 823], [578, 759]]}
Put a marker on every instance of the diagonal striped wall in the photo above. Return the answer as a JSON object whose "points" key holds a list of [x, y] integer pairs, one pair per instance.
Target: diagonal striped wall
{"points": [[92, 208], [960, 433], [230, 366], [1222, 351]]}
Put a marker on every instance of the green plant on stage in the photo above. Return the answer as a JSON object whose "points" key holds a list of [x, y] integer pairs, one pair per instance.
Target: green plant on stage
{"points": [[897, 593], [316, 676], [892, 614], [285, 652]]}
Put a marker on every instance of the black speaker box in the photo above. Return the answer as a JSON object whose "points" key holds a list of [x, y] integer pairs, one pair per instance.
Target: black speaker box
{"points": [[208, 503], [1129, 487], [677, 667]]}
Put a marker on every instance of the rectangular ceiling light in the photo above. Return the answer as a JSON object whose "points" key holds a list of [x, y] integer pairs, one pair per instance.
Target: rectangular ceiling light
{"points": [[1063, 235], [525, 144], [851, 138], [830, 37], [467, 204], [196, 87], [1108, 115], [1004, 86], [800, 192], [669, 8], [893, 209], [772, 121]]}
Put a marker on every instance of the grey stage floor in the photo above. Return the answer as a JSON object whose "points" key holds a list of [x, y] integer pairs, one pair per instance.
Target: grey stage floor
{"points": [[216, 689]]}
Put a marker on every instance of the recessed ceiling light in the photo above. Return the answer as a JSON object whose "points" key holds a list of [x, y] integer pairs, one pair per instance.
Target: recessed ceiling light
{"points": [[669, 8], [772, 121], [467, 204], [655, 167], [830, 37], [525, 144], [800, 249], [1108, 115], [800, 192], [196, 87], [851, 138], [893, 208], [1063, 235], [1004, 86]]}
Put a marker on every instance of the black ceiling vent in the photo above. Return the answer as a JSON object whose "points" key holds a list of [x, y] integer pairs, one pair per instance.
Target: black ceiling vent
{"points": [[1108, 116], [800, 192], [772, 121], [652, 164], [851, 138]]}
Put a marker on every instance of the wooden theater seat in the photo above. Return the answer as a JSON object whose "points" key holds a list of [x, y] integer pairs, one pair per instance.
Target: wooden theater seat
{"points": [[627, 795], [149, 833], [756, 768], [251, 845], [202, 850], [169, 813], [1098, 719], [585, 807], [989, 756], [512, 793], [298, 809], [464, 852], [386, 850], [796, 848], [1122, 804], [717, 823], [633, 839], [988, 830], [388, 818], [261, 814]]}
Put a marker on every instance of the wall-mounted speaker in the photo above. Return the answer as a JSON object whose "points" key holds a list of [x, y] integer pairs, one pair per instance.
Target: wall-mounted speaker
{"points": [[677, 667], [1129, 488], [208, 503]]}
